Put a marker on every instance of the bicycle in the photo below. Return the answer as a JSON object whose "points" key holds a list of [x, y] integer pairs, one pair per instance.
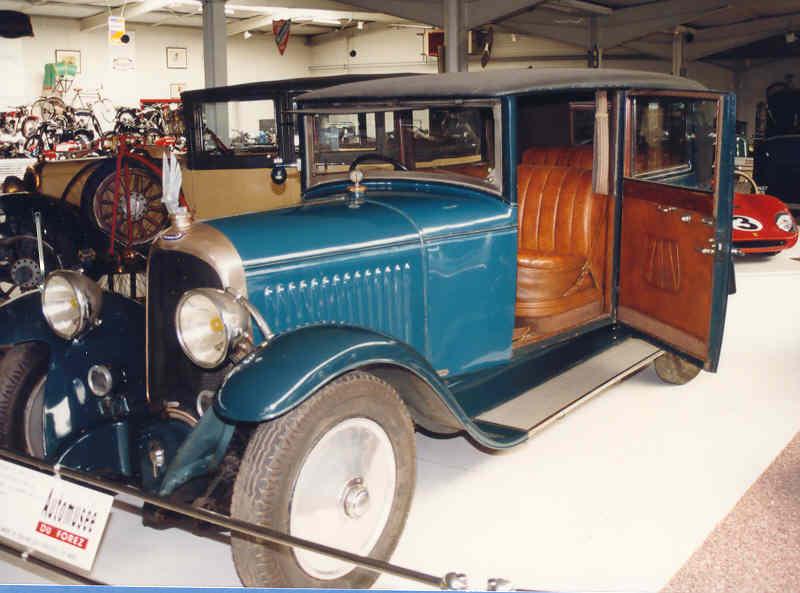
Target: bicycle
{"points": [[101, 106]]}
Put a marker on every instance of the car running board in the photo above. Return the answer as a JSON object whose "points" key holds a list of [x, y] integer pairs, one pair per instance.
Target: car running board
{"points": [[553, 399]]}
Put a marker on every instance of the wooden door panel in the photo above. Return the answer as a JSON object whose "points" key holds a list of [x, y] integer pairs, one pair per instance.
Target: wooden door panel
{"points": [[665, 279]]}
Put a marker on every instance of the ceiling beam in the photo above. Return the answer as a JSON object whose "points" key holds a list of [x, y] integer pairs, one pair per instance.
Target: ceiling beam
{"points": [[243, 25], [713, 40], [633, 23], [100, 19], [770, 26], [481, 12], [699, 50], [582, 6], [550, 24], [419, 11], [310, 4]]}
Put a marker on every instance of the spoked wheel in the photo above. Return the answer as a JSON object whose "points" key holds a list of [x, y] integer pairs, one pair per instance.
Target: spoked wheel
{"points": [[47, 107], [673, 369], [29, 126], [139, 215], [338, 470], [105, 110], [19, 265]]}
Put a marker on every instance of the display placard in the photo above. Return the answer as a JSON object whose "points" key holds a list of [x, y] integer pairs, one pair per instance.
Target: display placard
{"points": [[62, 521]]}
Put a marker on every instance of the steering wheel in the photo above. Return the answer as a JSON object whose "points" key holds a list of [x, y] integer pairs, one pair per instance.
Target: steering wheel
{"points": [[376, 156], [221, 146], [753, 185]]}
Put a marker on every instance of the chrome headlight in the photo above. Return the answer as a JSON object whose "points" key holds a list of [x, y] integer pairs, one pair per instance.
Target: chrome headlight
{"points": [[208, 321], [71, 303], [785, 222]]}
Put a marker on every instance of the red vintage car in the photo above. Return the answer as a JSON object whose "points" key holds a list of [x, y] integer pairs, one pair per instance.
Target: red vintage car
{"points": [[762, 224]]}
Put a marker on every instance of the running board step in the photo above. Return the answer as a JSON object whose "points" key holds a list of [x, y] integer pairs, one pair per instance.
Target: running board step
{"points": [[551, 400]]}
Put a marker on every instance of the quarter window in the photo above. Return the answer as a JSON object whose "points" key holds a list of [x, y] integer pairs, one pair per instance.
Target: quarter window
{"points": [[238, 128]]}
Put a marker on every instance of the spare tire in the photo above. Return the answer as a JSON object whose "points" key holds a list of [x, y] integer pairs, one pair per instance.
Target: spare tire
{"points": [[148, 215]]}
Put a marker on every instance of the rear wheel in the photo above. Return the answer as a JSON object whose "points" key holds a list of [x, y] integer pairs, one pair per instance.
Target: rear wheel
{"points": [[674, 369], [23, 369], [339, 469]]}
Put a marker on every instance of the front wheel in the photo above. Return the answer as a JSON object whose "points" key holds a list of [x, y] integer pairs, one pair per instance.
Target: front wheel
{"points": [[674, 369], [339, 470], [23, 369]]}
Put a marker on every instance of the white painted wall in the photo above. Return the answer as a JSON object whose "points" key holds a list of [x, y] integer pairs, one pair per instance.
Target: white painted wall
{"points": [[256, 58], [379, 50], [400, 50]]}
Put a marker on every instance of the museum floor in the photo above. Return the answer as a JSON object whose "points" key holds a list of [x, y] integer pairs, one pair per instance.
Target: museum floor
{"points": [[616, 497]]}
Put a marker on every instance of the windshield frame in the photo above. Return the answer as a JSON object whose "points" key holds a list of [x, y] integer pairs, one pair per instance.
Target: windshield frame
{"points": [[494, 187]]}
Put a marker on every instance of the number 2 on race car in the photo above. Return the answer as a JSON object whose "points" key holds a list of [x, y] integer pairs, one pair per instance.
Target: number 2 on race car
{"points": [[746, 223]]}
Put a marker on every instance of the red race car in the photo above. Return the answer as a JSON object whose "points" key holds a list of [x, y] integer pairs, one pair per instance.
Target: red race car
{"points": [[762, 224]]}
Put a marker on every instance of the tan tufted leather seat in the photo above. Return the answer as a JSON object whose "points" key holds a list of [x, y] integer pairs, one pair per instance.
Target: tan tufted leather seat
{"points": [[561, 156], [561, 243]]}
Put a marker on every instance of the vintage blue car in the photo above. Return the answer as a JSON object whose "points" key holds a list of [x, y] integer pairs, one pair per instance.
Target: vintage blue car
{"points": [[289, 355]]}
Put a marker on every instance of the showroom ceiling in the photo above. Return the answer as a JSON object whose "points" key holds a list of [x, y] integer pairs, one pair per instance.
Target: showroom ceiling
{"points": [[715, 28]]}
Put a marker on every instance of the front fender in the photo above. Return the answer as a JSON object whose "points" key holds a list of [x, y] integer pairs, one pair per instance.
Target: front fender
{"points": [[119, 342], [291, 368], [283, 374]]}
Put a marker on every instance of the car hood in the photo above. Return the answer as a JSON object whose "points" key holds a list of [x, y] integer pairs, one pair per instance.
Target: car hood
{"points": [[332, 225], [760, 206]]}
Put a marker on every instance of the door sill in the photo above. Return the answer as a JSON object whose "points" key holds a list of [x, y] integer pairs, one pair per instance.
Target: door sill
{"points": [[538, 407]]}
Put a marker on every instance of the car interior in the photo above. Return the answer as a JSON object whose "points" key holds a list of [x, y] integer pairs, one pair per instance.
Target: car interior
{"points": [[565, 215]]}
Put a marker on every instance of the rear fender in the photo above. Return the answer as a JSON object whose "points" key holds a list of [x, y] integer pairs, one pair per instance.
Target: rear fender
{"points": [[282, 375]]}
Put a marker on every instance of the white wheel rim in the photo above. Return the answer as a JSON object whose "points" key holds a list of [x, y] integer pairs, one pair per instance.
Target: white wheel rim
{"points": [[344, 494]]}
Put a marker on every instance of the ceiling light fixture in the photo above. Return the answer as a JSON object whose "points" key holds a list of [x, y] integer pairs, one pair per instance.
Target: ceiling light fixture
{"points": [[360, 25], [247, 34], [790, 37]]}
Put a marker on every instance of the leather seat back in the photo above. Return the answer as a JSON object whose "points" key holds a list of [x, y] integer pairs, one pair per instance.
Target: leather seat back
{"points": [[560, 156], [558, 210]]}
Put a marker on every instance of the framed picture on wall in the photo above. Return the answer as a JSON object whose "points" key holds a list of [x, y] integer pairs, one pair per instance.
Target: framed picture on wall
{"points": [[175, 89], [70, 56], [177, 57]]}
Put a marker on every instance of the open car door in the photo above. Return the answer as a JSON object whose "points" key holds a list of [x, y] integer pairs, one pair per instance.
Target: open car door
{"points": [[675, 239]]}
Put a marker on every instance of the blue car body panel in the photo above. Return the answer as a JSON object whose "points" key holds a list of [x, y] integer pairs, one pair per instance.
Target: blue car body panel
{"points": [[412, 262], [70, 409]]}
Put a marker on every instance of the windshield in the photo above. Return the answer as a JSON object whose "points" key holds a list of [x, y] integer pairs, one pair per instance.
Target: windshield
{"points": [[454, 142]]}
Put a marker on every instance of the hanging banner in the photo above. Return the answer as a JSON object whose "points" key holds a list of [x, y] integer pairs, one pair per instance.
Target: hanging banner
{"points": [[123, 56], [116, 30], [281, 30]]}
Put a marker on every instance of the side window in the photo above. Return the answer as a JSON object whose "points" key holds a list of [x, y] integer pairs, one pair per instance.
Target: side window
{"points": [[581, 123], [238, 133], [674, 141]]}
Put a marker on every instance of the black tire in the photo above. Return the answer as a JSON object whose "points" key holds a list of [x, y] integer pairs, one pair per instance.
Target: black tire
{"points": [[100, 186], [29, 126], [264, 490], [674, 369], [22, 370]]}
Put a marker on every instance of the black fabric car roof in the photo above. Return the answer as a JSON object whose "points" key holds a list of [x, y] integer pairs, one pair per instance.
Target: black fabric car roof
{"points": [[495, 83], [258, 90]]}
